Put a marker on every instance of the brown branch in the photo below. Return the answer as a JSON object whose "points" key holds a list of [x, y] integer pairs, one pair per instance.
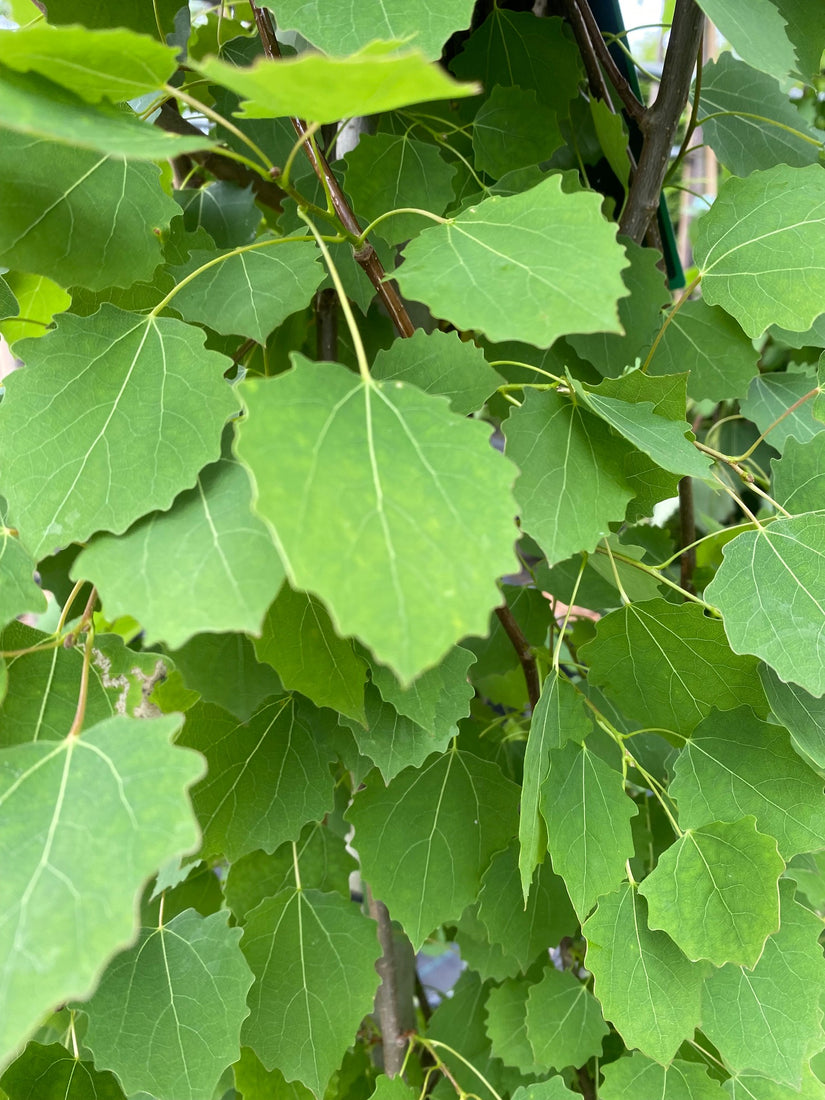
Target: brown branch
{"points": [[524, 651], [687, 535], [388, 1006], [366, 256], [660, 121], [223, 168], [587, 49], [634, 108]]}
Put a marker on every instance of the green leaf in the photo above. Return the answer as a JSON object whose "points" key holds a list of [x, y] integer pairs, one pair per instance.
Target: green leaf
{"points": [[323, 89], [387, 171], [639, 313], [490, 960], [254, 1082], [761, 126], [800, 713], [267, 777], [313, 956], [390, 477], [460, 1023], [34, 106], [763, 235], [206, 564], [513, 47], [799, 475], [771, 396], [646, 986], [249, 293], [323, 864], [752, 1086], [345, 27], [18, 590], [551, 1089], [506, 1011], [667, 665], [565, 1025], [770, 589], [440, 362], [661, 437], [223, 670], [777, 1023], [67, 907], [559, 716], [587, 814], [572, 483], [426, 839], [708, 343], [73, 466], [554, 261], [512, 129], [299, 641], [714, 892], [145, 16], [52, 1073], [438, 698], [39, 300], [95, 64], [167, 1014], [733, 764], [44, 685], [779, 37], [9, 305], [224, 210], [393, 741], [635, 1076], [57, 218], [524, 931]]}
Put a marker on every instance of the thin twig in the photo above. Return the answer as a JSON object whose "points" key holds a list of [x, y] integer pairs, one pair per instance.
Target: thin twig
{"points": [[687, 535], [587, 49], [524, 651], [634, 108], [366, 257]]}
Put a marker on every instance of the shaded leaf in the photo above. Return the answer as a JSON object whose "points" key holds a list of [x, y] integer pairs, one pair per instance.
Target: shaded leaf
{"points": [[771, 396], [313, 956], [734, 765], [73, 467], [167, 1014], [18, 590], [206, 564], [255, 1082], [95, 64], [249, 292], [440, 362], [512, 129], [57, 218], [223, 210], [299, 641], [507, 1026], [438, 698], [760, 126], [799, 475], [801, 714], [390, 478], [714, 892], [142, 17], [553, 260], [393, 741], [587, 814], [34, 106], [564, 1021], [9, 306], [267, 777], [572, 483], [426, 839], [388, 171], [223, 670], [524, 931], [777, 1023], [770, 589], [632, 1077], [762, 235], [667, 665], [67, 907], [552, 1089], [345, 27], [323, 89], [52, 1073], [752, 1086], [708, 343], [559, 716], [646, 986]]}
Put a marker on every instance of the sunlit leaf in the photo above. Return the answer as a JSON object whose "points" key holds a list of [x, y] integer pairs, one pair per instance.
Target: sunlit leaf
{"points": [[554, 262], [779, 37], [631, 1077], [770, 589], [18, 591], [776, 405], [714, 892]]}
